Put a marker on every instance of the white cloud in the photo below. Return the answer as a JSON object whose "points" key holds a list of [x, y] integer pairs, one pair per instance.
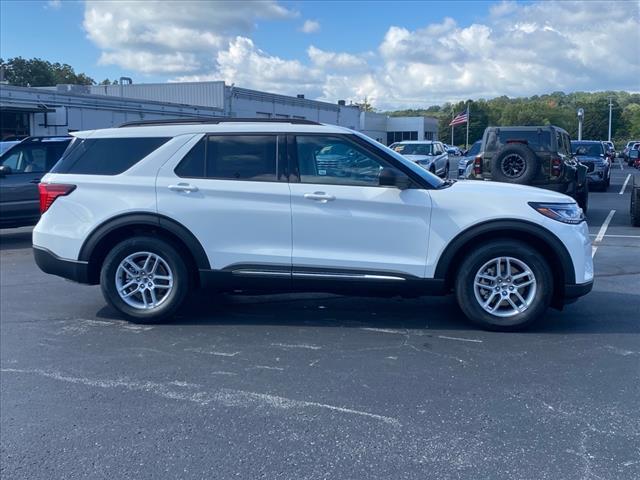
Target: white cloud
{"points": [[518, 49], [162, 34], [310, 26]]}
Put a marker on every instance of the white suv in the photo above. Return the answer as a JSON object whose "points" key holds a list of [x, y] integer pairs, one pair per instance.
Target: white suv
{"points": [[152, 211]]}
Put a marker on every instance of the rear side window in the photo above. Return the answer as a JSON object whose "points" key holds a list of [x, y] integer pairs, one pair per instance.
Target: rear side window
{"points": [[232, 157], [106, 156]]}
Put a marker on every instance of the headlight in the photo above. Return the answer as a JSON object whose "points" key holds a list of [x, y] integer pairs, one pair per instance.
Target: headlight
{"points": [[569, 213]]}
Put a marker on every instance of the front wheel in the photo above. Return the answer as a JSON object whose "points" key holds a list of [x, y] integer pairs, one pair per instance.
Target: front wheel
{"points": [[145, 279], [505, 285]]}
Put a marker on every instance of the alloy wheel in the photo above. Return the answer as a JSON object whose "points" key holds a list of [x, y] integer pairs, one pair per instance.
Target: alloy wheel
{"points": [[505, 286]]}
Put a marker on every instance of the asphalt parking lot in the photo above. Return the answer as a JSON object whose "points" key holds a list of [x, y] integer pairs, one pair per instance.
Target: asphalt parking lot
{"points": [[322, 386]]}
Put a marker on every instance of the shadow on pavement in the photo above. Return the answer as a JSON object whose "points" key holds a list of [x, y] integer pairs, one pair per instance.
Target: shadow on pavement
{"points": [[15, 239], [600, 312]]}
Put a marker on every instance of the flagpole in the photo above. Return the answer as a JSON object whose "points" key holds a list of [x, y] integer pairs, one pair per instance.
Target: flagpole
{"points": [[466, 145], [453, 115]]}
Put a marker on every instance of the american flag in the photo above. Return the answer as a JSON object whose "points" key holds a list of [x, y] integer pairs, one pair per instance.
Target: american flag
{"points": [[461, 118]]}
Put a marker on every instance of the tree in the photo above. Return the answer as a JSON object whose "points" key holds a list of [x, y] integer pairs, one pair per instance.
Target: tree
{"points": [[41, 73], [365, 106], [556, 108]]}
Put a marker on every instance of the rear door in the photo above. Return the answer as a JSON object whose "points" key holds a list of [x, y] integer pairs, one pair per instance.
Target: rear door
{"points": [[345, 223], [231, 192]]}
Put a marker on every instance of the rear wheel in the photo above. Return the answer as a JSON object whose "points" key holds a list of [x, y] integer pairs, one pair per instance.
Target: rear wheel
{"points": [[145, 279], [505, 285]]}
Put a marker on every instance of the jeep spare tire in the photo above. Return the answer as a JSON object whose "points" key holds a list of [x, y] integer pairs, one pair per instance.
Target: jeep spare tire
{"points": [[515, 163]]}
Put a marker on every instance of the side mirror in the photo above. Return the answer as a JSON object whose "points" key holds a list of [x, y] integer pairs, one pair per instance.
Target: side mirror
{"points": [[5, 170], [390, 177]]}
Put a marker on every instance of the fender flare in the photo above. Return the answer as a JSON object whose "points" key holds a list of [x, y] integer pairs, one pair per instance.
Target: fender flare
{"points": [[503, 228], [149, 219]]}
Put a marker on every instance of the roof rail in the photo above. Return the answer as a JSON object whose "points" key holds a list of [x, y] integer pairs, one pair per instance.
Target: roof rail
{"points": [[215, 121]]}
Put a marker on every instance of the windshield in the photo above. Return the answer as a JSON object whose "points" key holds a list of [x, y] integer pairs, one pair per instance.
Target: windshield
{"points": [[413, 148], [587, 149], [429, 177]]}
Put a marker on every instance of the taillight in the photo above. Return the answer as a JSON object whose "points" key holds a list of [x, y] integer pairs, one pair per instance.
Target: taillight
{"points": [[556, 166], [50, 191], [477, 165]]}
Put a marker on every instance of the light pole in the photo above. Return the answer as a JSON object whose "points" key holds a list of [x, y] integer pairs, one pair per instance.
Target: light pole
{"points": [[610, 106], [580, 118]]}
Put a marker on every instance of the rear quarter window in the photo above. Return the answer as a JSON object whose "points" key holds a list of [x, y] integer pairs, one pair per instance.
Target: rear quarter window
{"points": [[106, 156]]}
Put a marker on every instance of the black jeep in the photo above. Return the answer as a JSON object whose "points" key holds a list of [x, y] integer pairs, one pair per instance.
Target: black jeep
{"points": [[537, 156]]}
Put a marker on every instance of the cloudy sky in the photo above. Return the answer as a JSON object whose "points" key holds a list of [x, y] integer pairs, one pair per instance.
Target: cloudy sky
{"points": [[398, 54]]}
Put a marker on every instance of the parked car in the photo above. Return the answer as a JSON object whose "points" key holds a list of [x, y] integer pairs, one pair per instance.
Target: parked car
{"points": [[634, 209], [465, 164], [453, 150], [21, 168], [537, 156], [634, 158], [627, 148], [430, 155], [236, 204], [610, 150], [593, 155], [631, 155]]}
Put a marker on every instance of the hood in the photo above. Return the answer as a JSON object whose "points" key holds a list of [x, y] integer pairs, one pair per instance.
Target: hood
{"points": [[418, 158], [507, 192]]}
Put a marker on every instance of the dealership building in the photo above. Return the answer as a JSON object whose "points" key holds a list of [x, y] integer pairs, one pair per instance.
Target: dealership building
{"points": [[66, 108]]}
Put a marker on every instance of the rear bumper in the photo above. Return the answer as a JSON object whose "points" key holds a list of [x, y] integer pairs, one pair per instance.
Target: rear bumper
{"points": [[50, 263]]}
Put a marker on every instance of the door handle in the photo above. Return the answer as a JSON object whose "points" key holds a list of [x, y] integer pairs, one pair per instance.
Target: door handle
{"points": [[319, 197], [183, 187]]}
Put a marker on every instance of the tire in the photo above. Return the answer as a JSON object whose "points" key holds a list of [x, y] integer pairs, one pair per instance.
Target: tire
{"points": [[582, 197], [522, 258], [635, 201], [168, 276], [515, 163], [446, 171]]}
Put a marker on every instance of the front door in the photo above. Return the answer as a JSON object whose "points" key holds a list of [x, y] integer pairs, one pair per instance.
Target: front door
{"points": [[344, 222]]}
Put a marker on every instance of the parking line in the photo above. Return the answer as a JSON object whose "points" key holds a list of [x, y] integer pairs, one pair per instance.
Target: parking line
{"points": [[601, 232], [616, 236], [621, 167], [625, 184]]}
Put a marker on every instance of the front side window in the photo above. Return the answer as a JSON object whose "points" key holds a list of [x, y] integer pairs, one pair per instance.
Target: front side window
{"points": [[232, 157], [336, 161]]}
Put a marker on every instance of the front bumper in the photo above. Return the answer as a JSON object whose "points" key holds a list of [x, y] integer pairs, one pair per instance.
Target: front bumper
{"points": [[50, 263], [574, 291]]}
